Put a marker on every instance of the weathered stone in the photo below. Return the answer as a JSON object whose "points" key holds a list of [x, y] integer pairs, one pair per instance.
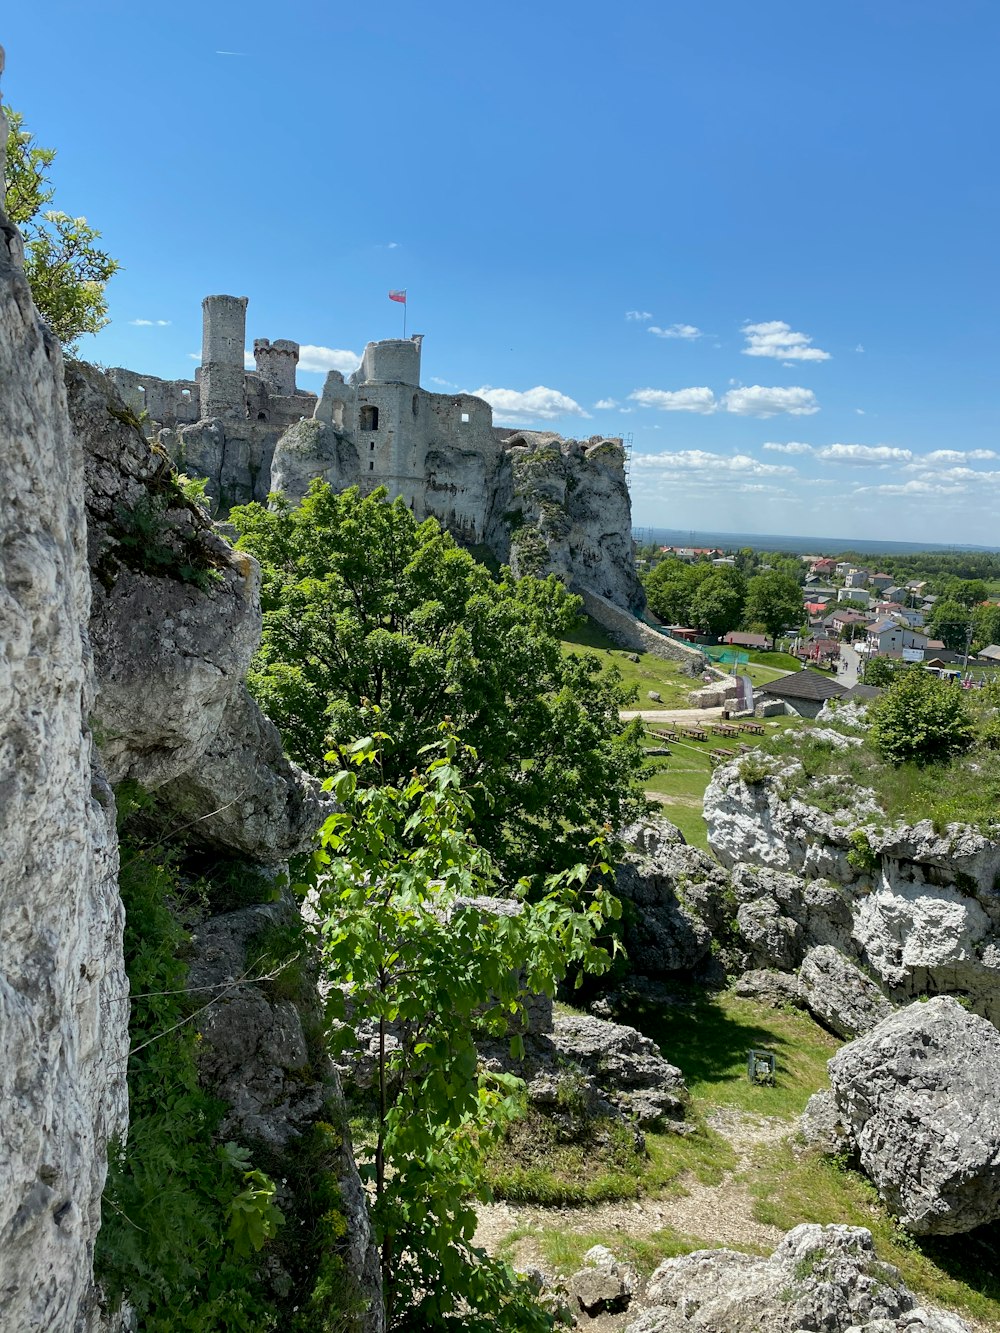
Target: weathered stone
{"points": [[839, 994], [63, 992], [171, 650], [918, 906], [602, 1285], [819, 1277], [821, 1125], [276, 1084], [921, 1097], [768, 987], [678, 896]]}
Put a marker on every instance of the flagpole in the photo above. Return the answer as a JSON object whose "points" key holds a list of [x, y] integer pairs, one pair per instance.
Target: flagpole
{"points": [[404, 314]]}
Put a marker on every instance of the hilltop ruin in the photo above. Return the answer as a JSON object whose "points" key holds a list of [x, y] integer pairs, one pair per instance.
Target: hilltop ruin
{"points": [[532, 499]]}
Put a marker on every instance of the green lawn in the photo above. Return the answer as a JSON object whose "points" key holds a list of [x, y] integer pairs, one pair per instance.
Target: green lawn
{"points": [[668, 679], [686, 772]]}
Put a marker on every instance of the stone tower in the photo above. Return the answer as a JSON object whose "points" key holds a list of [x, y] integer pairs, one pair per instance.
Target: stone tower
{"points": [[224, 325], [276, 364]]}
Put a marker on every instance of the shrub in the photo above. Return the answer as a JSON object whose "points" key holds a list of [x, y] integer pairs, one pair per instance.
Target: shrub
{"points": [[920, 719]]}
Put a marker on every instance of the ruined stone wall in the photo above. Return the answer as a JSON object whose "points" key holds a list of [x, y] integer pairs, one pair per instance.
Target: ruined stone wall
{"points": [[631, 633], [164, 401]]}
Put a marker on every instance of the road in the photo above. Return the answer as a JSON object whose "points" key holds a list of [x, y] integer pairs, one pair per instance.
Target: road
{"points": [[688, 715]]}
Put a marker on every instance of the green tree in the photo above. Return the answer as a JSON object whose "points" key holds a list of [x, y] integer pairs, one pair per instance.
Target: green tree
{"points": [[986, 624], [363, 605], [882, 671], [950, 622], [671, 586], [717, 604], [66, 269], [920, 719], [774, 600], [398, 894]]}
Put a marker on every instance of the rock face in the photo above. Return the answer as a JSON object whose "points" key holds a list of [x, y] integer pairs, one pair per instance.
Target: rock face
{"points": [[275, 1078], [569, 514], [920, 1098], [678, 899], [819, 1277], [839, 994], [920, 908], [63, 1002], [175, 620]]}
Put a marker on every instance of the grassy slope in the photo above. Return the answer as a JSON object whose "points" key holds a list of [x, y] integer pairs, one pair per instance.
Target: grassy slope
{"points": [[708, 1034]]}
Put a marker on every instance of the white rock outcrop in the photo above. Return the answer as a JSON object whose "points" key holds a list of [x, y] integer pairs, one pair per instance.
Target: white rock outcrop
{"points": [[922, 907], [63, 1001], [819, 1277], [920, 1099]]}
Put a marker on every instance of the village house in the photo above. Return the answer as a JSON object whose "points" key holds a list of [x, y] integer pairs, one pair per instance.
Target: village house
{"points": [[881, 581], [888, 636], [853, 595]]}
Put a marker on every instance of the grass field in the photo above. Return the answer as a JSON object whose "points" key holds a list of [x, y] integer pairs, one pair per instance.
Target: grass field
{"points": [[669, 679], [680, 785]]}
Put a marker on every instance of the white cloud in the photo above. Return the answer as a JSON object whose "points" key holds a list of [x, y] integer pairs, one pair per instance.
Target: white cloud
{"points": [[676, 331], [939, 456], [512, 407], [701, 460], [860, 411], [605, 404], [393, 245], [639, 314], [911, 488], [748, 401], [445, 384], [792, 447], [859, 348], [318, 360], [150, 323], [775, 338], [757, 401], [863, 453], [676, 400]]}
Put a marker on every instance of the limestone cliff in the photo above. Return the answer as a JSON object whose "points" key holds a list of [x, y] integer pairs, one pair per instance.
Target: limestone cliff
{"points": [[919, 908], [63, 1001]]}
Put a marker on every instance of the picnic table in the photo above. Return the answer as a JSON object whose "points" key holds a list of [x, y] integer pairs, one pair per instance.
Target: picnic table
{"points": [[720, 756], [754, 728], [693, 734], [724, 729]]}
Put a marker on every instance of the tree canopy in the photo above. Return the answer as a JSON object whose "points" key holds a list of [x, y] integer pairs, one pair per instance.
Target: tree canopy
{"points": [[920, 719], [774, 600], [364, 605], [66, 269]]}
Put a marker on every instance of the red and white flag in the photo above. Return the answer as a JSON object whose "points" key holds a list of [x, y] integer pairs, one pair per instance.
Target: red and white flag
{"points": [[398, 296]]}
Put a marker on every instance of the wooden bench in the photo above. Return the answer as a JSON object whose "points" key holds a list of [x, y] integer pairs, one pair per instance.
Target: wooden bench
{"points": [[754, 728], [693, 735], [721, 756]]}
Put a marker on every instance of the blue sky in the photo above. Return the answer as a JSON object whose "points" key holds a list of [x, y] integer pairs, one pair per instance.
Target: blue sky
{"points": [[761, 238]]}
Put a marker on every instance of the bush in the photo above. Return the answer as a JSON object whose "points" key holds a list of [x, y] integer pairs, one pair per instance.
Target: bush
{"points": [[920, 719]]}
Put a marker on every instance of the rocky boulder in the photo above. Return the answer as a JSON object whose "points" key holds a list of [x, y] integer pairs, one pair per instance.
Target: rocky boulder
{"points": [[602, 1285], [920, 1097], [820, 1277], [677, 896], [919, 906], [839, 995]]}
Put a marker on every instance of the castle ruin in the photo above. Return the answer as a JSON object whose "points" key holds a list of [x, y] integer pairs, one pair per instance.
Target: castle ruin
{"points": [[532, 499]]}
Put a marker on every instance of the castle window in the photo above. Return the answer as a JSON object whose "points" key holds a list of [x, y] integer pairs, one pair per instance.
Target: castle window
{"points": [[465, 418], [261, 416], [369, 417], [372, 446], [371, 467], [415, 404], [186, 393]]}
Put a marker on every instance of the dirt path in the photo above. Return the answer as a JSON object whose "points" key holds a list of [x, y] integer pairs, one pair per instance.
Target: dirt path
{"points": [[689, 715], [717, 1214]]}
